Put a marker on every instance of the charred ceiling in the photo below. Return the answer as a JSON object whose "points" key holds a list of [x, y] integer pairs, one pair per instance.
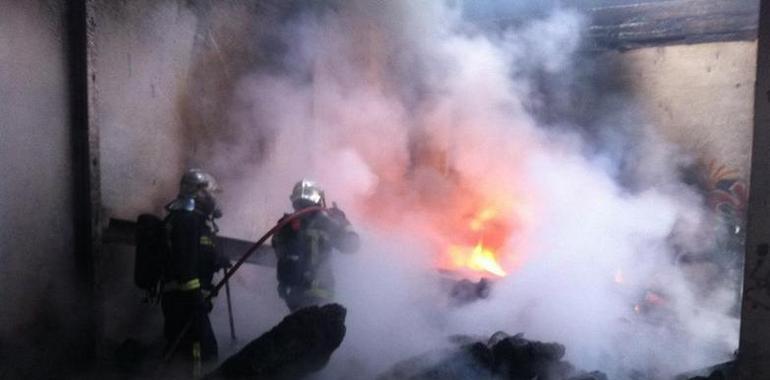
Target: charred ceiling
{"points": [[613, 24], [632, 24], [629, 24]]}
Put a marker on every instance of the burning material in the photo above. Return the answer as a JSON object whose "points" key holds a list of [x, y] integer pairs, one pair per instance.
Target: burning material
{"points": [[478, 258], [481, 252], [486, 215], [652, 304], [619, 278], [466, 291]]}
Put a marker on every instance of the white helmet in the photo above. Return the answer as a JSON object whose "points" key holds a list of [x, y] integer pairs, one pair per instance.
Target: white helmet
{"points": [[305, 194], [195, 180]]}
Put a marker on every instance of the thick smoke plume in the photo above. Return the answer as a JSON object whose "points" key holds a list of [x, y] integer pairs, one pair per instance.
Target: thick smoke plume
{"points": [[414, 118]]}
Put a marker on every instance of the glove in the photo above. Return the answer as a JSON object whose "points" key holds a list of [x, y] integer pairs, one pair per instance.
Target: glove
{"points": [[336, 213], [223, 262], [213, 292], [203, 305], [208, 306]]}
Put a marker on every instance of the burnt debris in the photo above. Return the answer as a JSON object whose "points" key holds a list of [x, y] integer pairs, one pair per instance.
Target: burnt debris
{"points": [[466, 291], [300, 344], [500, 357]]}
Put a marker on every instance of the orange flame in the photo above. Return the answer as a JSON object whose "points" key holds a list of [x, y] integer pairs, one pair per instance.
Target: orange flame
{"points": [[484, 259], [484, 225], [477, 258], [478, 223], [618, 277]]}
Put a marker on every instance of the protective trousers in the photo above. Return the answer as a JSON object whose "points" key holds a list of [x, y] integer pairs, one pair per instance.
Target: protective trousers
{"points": [[182, 307]]}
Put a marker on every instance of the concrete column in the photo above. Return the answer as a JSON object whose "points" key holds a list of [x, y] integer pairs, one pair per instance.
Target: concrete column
{"points": [[754, 359], [85, 159]]}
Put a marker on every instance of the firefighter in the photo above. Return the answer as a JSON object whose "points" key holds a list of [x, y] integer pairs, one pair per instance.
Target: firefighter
{"points": [[190, 268], [303, 247]]}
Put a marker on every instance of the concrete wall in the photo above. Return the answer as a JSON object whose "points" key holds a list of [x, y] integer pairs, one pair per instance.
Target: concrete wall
{"points": [[165, 72], [40, 316], [143, 53], [699, 96]]}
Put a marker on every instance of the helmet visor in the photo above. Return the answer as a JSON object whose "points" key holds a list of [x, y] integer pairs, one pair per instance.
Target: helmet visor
{"points": [[306, 194]]}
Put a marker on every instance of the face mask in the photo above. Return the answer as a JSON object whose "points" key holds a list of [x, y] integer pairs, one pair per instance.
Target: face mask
{"points": [[206, 203]]}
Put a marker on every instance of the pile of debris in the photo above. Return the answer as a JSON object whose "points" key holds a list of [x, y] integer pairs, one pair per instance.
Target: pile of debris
{"points": [[301, 344], [723, 371], [713, 376], [466, 291], [500, 357]]}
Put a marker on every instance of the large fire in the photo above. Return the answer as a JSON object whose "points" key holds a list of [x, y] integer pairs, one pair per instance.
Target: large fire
{"points": [[474, 227], [482, 258], [477, 258]]}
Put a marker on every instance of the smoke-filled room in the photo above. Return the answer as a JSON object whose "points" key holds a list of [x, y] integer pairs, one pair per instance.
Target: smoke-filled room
{"points": [[385, 190]]}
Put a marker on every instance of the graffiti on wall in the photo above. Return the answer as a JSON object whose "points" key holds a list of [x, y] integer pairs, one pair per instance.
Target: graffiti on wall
{"points": [[725, 194]]}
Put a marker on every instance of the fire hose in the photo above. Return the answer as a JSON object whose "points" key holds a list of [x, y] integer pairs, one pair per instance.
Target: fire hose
{"points": [[230, 311], [223, 282]]}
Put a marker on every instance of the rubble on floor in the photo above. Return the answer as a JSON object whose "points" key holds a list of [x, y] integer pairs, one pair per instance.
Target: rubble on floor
{"points": [[500, 357], [722, 371], [300, 344]]}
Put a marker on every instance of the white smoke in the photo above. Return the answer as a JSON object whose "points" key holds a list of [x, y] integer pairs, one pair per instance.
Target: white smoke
{"points": [[403, 110]]}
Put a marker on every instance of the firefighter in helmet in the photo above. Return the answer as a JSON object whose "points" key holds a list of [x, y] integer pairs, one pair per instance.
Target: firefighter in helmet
{"points": [[304, 245], [191, 265]]}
